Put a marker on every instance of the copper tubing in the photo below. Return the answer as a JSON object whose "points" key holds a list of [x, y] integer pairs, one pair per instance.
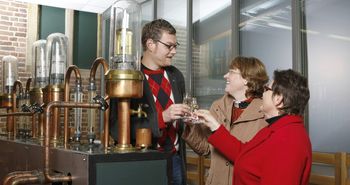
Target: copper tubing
{"points": [[95, 64], [48, 111], [17, 114], [11, 129], [20, 87], [11, 175], [29, 81], [66, 96], [41, 126], [25, 178], [11, 126], [106, 126], [33, 127]]}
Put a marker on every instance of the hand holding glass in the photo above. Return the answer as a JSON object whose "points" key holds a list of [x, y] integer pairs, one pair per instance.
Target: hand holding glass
{"points": [[192, 103]]}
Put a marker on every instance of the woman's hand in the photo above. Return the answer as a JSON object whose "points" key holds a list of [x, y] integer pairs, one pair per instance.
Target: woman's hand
{"points": [[208, 119]]}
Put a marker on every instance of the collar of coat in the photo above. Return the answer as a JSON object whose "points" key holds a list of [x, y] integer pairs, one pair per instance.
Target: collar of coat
{"points": [[266, 132], [252, 112]]}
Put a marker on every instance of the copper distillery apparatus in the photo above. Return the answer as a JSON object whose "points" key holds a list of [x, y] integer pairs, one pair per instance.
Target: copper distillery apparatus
{"points": [[56, 55], [124, 79], [40, 72]]}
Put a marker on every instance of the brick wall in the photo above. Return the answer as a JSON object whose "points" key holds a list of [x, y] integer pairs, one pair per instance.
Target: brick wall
{"points": [[13, 39]]}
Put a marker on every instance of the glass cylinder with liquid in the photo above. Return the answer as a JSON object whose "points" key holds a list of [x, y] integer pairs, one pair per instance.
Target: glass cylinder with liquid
{"points": [[125, 35], [40, 66], [78, 98], [10, 74], [91, 113], [57, 47]]}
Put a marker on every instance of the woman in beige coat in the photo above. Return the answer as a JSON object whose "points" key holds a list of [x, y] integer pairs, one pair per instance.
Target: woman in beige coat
{"points": [[238, 110]]}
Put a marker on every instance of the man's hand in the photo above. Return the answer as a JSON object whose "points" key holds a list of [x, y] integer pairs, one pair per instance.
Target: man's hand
{"points": [[175, 111]]}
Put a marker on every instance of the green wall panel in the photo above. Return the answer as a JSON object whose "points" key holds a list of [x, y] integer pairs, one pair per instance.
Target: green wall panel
{"points": [[85, 39], [51, 21], [152, 172]]}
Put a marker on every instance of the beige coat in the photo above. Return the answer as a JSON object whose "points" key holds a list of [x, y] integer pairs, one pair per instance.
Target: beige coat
{"points": [[244, 128]]}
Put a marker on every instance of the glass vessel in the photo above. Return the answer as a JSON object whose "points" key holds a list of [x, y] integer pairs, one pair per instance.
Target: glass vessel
{"points": [[10, 74], [125, 35], [56, 46], [40, 70]]}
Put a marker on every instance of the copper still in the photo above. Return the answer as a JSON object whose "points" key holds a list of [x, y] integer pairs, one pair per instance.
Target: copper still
{"points": [[124, 79]]}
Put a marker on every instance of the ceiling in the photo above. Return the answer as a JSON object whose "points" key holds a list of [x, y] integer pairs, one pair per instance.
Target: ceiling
{"points": [[95, 6]]}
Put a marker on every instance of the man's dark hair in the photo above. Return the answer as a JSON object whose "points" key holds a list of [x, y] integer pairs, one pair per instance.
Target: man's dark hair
{"points": [[154, 30], [294, 89]]}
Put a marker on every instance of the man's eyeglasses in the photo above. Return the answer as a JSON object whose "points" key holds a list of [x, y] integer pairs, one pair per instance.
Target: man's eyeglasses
{"points": [[267, 88], [169, 46]]}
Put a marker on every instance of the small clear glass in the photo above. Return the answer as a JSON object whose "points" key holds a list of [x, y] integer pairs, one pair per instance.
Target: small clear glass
{"points": [[192, 103]]}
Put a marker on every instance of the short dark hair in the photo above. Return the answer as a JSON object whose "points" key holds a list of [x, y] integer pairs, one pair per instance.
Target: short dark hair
{"points": [[154, 30], [294, 89], [253, 70]]}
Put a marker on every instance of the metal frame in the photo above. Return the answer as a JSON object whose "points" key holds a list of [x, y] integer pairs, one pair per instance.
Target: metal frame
{"points": [[299, 44], [189, 68]]}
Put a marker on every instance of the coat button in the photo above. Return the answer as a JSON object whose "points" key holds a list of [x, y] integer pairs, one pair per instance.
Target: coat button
{"points": [[227, 163]]}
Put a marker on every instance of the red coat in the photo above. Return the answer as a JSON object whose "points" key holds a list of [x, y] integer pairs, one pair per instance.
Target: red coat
{"points": [[279, 154]]}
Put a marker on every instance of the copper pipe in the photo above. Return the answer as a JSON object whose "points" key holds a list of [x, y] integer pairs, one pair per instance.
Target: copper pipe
{"points": [[19, 84], [11, 175], [66, 96], [95, 64], [48, 111], [11, 126], [34, 135], [24, 177], [25, 180], [29, 81], [36, 97], [123, 122], [41, 126], [54, 93], [106, 126], [17, 114]]}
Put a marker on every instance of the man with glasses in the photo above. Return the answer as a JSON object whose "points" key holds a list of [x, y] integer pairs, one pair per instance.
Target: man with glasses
{"points": [[163, 90]]}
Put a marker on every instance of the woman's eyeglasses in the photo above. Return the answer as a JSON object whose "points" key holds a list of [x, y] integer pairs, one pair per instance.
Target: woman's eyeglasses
{"points": [[267, 88], [169, 46]]}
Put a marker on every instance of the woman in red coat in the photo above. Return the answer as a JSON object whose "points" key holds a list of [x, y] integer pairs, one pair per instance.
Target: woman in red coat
{"points": [[280, 154]]}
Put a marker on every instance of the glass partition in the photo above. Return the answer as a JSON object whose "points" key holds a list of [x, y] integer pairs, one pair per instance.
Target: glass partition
{"points": [[211, 49], [266, 32], [328, 39]]}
